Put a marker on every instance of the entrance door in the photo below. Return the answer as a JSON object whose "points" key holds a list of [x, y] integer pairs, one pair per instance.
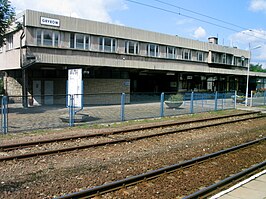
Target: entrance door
{"points": [[37, 91], [48, 92]]}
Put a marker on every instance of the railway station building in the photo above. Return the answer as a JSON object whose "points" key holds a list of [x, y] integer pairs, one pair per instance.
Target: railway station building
{"points": [[115, 59]]}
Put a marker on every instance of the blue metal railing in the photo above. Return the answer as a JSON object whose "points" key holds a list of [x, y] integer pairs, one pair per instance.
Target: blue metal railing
{"points": [[258, 99], [123, 108]]}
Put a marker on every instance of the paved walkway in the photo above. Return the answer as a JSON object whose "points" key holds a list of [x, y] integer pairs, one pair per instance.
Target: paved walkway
{"points": [[252, 188], [42, 117]]}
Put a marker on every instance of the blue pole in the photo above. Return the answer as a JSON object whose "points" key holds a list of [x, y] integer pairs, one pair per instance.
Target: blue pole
{"points": [[216, 101], [191, 102], [162, 105], [202, 104], [223, 100], [71, 111], [264, 98], [122, 111], [67, 97], [4, 115], [235, 100]]}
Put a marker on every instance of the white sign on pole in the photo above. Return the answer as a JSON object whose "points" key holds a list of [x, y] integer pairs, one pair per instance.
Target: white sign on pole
{"points": [[75, 87]]}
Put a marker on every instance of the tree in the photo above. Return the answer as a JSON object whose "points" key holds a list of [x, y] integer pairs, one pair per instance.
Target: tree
{"points": [[257, 68], [7, 15]]}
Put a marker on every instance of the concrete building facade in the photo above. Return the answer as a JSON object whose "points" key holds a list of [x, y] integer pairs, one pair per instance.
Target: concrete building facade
{"points": [[115, 59]]}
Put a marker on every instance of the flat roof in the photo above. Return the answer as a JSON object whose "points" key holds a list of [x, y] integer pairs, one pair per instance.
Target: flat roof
{"points": [[70, 24]]}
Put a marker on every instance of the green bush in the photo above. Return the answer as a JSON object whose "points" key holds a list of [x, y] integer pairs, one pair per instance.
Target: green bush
{"points": [[175, 97]]}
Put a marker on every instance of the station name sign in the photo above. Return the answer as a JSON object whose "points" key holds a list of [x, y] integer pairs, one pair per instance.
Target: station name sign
{"points": [[50, 21]]}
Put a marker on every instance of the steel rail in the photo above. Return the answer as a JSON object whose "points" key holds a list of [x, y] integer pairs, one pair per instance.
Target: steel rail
{"points": [[225, 181], [49, 152], [33, 143], [151, 174]]}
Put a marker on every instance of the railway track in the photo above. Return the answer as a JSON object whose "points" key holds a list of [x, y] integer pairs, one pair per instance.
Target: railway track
{"points": [[35, 151], [112, 187], [217, 187], [148, 127]]}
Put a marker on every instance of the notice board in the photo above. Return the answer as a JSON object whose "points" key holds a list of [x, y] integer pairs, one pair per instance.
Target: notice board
{"points": [[75, 87]]}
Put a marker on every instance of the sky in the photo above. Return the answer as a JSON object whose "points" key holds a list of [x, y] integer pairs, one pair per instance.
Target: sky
{"points": [[236, 23]]}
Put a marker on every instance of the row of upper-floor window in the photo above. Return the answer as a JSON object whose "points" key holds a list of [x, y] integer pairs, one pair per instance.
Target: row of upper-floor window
{"points": [[51, 38], [229, 59], [108, 44]]}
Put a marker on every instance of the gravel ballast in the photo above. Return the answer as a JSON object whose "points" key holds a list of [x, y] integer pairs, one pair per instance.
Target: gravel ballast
{"points": [[55, 175]]}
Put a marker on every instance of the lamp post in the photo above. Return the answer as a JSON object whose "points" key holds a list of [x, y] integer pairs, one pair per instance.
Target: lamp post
{"points": [[256, 47]]}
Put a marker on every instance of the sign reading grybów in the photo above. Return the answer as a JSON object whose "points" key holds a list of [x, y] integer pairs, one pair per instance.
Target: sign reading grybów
{"points": [[50, 22]]}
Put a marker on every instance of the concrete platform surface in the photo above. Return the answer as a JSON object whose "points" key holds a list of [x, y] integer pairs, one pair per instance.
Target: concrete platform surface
{"points": [[251, 188]]}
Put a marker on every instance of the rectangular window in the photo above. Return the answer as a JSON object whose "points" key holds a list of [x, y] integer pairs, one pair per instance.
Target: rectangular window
{"points": [[239, 61], [79, 41], [171, 52], [101, 44], [72, 40], [113, 45], [107, 44], [47, 38], [229, 59], [87, 42], [131, 47], [186, 54], [9, 40], [213, 57], [39, 37], [153, 50], [224, 58], [200, 56], [56, 39], [244, 62]]}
